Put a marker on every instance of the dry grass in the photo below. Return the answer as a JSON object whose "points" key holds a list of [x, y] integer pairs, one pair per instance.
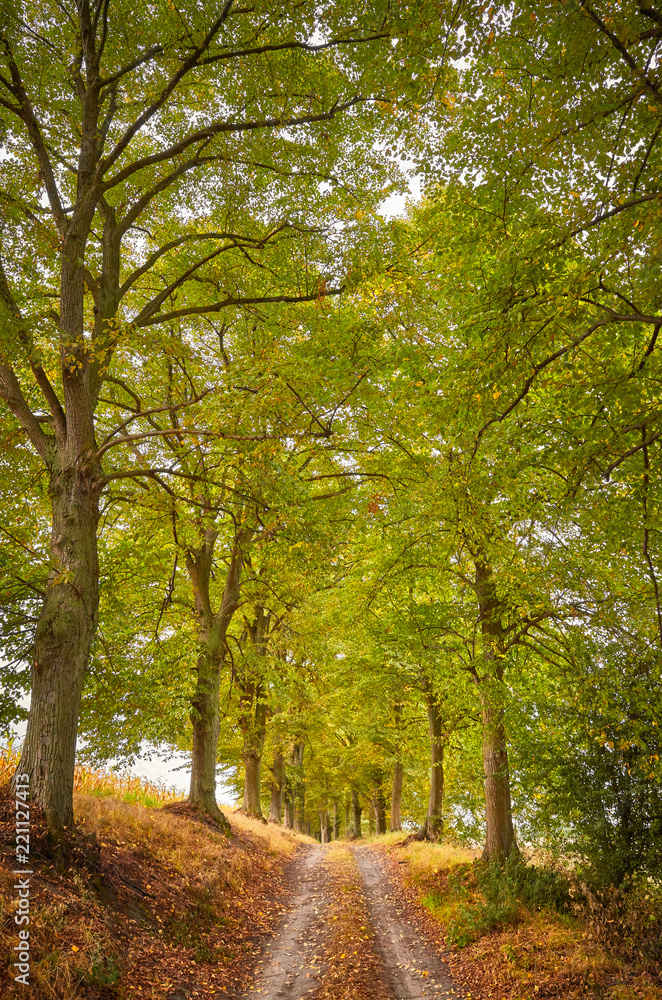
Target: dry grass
{"points": [[101, 781], [276, 839], [426, 859], [171, 838], [168, 903]]}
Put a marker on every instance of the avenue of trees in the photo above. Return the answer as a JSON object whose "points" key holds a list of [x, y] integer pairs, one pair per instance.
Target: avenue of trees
{"points": [[363, 513]]}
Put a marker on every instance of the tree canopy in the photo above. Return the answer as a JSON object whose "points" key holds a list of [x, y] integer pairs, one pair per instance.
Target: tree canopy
{"points": [[363, 511]]}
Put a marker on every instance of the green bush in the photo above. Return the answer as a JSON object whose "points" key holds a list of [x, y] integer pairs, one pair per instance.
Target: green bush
{"points": [[504, 891]]}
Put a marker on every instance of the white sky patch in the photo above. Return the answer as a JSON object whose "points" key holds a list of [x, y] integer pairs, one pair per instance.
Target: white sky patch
{"points": [[396, 204]]}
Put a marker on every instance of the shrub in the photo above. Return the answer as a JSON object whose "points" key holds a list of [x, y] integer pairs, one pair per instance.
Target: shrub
{"points": [[502, 890], [626, 920]]}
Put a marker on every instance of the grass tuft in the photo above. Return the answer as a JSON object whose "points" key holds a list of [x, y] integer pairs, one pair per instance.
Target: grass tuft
{"points": [[103, 782]]}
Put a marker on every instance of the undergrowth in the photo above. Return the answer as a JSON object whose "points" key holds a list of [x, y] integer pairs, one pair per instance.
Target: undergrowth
{"points": [[487, 895], [524, 930]]}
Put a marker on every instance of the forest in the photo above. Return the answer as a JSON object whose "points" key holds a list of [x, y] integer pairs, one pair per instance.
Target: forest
{"points": [[359, 509]]}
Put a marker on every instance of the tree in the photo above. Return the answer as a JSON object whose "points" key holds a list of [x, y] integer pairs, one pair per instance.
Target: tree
{"points": [[153, 220]]}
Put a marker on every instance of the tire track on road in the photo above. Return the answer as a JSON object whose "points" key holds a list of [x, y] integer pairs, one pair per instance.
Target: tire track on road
{"points": [[415, 970], [291, 964]]}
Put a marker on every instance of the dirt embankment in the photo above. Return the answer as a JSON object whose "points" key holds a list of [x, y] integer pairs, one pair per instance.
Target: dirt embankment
{"points": [[162, 906]]}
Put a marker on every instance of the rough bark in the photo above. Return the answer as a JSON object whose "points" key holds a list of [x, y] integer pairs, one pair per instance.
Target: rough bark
{"points": [[347, 830], [205, 722], [434, 824], [324, 826], [253, 726], [500, 834], [211, 633], [288, 818], [396, 790], [298, 787], [336, 820], [379, 808], [277, 776], [253, 715], [63, 640], [252, 785], [396, 797], [356, 814]]}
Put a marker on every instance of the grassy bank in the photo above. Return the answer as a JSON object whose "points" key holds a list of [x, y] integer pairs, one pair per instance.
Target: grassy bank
{"points": [[158, 904], [521, 935]]}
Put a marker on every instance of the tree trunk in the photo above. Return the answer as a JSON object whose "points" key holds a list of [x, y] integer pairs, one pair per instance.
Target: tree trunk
{"points": [[357, 810], [254, 732], [276, 803], [212, 629], [371, 816], [252, 787], [396, 791], [434, 822], [253, 717], [500, 834], [336, 820], [396, 797], [288, 817], [347, 830], [324, 826], [298, 787], [63, 640], [380, 811], [206, 722]]}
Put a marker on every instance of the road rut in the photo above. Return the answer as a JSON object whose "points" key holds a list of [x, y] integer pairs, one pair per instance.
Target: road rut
{"points": [[415, 970], [292, 965]]}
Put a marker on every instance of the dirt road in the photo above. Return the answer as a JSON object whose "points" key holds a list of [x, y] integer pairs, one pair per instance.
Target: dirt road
{"points": [[414, 969], [292, 967], [291, 963]]}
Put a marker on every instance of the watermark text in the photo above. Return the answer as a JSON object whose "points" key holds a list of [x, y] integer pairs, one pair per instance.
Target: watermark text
{"points": [[22, 884]]}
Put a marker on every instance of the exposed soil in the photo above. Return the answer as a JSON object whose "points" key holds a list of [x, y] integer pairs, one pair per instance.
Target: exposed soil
{"points": [[413, 968], [401, 966], [291, 963]]}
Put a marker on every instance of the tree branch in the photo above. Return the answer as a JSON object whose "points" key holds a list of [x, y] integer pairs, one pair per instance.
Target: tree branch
{"points": [[157, 409], [175, 79], [40, 375], [620, 47], [615, 211], [155, 50], [224, 127], [530, 380], [189, 238], [292, 46], [236, 301], [12, 394], [28, 117]]}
